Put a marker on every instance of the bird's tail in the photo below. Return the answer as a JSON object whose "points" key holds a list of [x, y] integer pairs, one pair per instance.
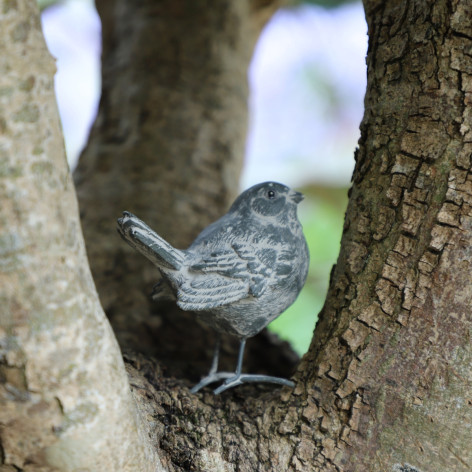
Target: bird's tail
{"points": [[140, 236]]}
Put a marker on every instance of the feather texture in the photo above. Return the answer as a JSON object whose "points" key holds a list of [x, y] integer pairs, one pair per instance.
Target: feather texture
{"points": [[242, 271]]}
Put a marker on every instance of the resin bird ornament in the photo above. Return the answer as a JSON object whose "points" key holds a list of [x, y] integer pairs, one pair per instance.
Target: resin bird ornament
{"points": [[239, 274]]}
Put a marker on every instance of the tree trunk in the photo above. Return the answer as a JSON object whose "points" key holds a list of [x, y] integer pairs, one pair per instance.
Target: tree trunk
{"points": [[386, 383], [63, 386], [392, 347], [168, 145]]}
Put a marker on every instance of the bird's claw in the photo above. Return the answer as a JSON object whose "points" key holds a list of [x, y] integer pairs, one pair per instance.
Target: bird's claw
{"points": [[211, 378], [233, 380], [247, 378]]}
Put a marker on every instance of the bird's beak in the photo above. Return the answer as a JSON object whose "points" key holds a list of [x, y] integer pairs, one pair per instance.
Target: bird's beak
{"points": [[296, 197]]}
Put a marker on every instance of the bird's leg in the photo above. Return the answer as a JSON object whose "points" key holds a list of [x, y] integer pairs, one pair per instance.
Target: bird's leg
{"points": [[213, 375], [235, 379], [238, 378], [216, 356]]}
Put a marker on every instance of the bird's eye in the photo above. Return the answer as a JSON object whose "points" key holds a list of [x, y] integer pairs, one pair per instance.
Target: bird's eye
{"points": [[271, 194]]}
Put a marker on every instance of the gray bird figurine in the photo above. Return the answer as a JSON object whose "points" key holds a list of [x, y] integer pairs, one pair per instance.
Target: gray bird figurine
{"points": [[240, 273]]}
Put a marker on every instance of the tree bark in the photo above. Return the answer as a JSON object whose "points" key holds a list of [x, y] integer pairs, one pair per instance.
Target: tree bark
{"points": [[63, 386], [392, 347]]}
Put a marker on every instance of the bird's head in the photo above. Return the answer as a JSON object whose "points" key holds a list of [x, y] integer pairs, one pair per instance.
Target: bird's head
{"points": [[268, 199]]}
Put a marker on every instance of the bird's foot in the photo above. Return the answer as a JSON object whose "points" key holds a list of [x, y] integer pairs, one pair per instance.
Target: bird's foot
{"points": [[211, 378], [239, 379]]}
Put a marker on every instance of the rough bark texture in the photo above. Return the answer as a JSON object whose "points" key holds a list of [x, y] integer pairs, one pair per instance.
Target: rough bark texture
{"points": [[63, 386], [393, 345]]}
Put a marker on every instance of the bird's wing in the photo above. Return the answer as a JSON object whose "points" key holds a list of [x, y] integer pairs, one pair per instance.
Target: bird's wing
{"points": [[224, 277], [266, 265], [214, 279], [224, 262], [210, 291]]}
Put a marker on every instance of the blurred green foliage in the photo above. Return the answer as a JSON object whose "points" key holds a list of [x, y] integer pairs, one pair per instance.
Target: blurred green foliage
{"points": [[322, 217], [43, 4]]}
